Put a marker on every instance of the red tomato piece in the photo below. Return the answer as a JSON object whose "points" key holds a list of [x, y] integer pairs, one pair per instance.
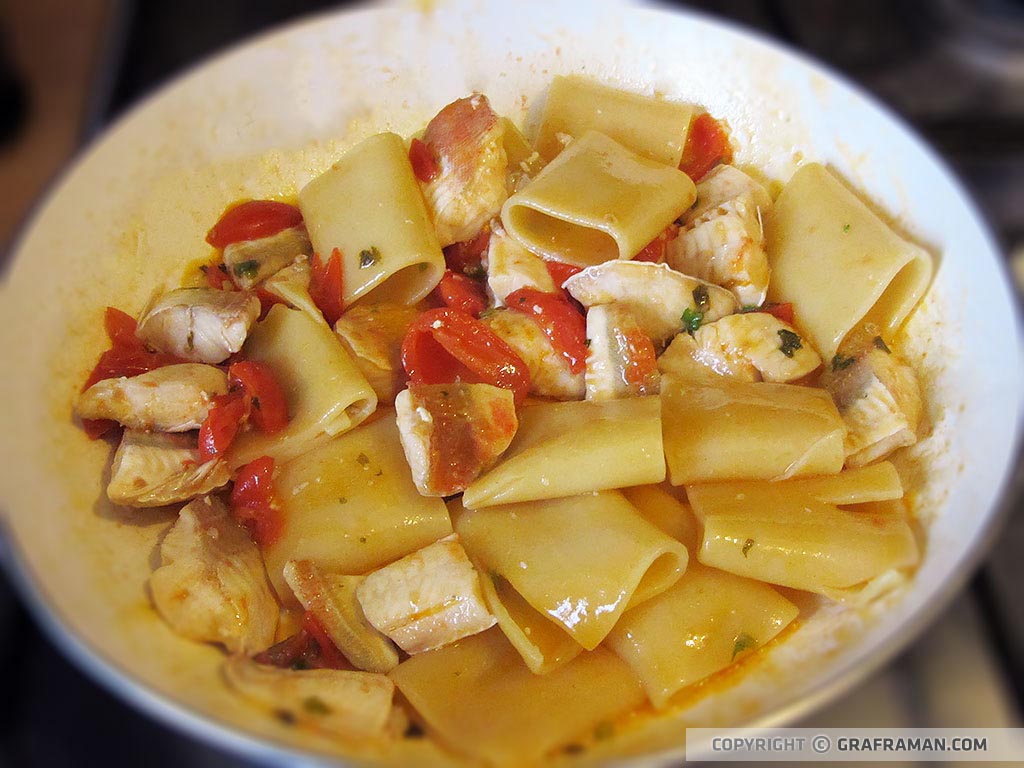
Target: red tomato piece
{"points": [[326, 286], [331, 657], [221, 425], [446, 345], [458, 291], [467, 257], [267, 300], [264, 398], [217, 275], [641, 361], [424, 162], [564, 326], [707, 144], [783, 312], [654, 251], [304, 650], [252, 220], [560, 271], [252, 501]]}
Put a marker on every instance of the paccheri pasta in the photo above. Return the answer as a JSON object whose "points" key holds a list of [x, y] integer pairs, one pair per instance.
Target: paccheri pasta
{"points": [[501, 441]]}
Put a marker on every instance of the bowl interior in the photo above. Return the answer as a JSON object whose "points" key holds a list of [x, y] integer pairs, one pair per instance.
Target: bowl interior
{"points": [[267, 117]]}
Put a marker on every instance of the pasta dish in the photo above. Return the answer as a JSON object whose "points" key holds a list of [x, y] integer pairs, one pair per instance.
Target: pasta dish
{"points": [[498, 441]]}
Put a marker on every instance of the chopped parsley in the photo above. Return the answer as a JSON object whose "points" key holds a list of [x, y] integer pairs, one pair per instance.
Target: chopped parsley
{"points": [[701, 298], [488, 312], [316, 706], [368, 257], [790, 342], [749, 308], [691, 320], [604, 730], [476, 271], [846, 227], [587, 342], [247, 270], [744, 642], [880, 343], [424, 266], [342, 500], [413, 731], [842, 362], [190, 342], [747, 545], [362, 539], [363, 460], [284, 716]]}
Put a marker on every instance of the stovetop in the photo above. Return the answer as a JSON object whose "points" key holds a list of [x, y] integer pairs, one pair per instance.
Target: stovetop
{"points": [[953, 68]]}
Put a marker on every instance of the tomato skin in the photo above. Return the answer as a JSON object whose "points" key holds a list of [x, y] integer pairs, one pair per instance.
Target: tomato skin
{"points": [[783, 312], [252, 501], [127, 356], [424, 162], [221, 425], [467, 256], [265, 400], [654, 251], [445, 345], [217, 275], [641, 359], [564, 326], [331, 657], [458, 291], [326, 286], [252, 220], [707, 144]]}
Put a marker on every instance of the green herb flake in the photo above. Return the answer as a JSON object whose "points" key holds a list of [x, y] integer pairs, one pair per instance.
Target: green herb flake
{"points": [[424, 266], [488, 312], [363, 460], [190, 342], [604, 730], [573, 749], [362, 539], [368, 257], [476, 271], [414, 731], [880, 343], [846, 227], [790, 342], [316, 706], [247, 270], [342, 500], [701, 298], [747, 545], [747, 308], [587, 342], [842, 362], [691, 320], [744, 642], [379, 473]]}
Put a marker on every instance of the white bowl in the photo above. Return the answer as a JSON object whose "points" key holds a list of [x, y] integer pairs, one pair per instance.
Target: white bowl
{"points": [[266, 117]]}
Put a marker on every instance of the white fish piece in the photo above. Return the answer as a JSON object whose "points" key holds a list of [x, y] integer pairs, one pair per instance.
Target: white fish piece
{"points": [[291, 285], [151, 469], [550, 374], [373, 334], [331, 598], [466, 426], [678, 360], [511, 266], [723, 184], [879, 398], [725, 247], [467, 138], [252, 261], [621, 360], [428, 599], [203, 325], [655, 294], [754, 346], [174, 398], [337, 703], [211, 585]]}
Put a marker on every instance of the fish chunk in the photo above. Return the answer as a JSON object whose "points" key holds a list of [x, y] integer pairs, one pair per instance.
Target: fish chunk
{"points": [[879, 398], [337, 703], [202, 325], [727, 249], [331, 598], [428, 599], [151, 469], [451, 433], [655, 294], [723, 184], [252, 261], [754, 346], [510, 267], [622, 361], [175, 398], [373, 335], [211, 585], [467, 138], [550, 374]]}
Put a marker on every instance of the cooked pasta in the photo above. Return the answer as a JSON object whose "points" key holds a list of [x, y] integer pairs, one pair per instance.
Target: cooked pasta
{"points": [[528, 382]]}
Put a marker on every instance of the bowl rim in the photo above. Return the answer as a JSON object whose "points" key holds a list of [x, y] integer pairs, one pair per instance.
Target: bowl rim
{"points": [[182, 719]]}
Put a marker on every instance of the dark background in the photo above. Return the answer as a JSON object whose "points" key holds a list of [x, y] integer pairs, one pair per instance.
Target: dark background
{"points": [[954, 68]]}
